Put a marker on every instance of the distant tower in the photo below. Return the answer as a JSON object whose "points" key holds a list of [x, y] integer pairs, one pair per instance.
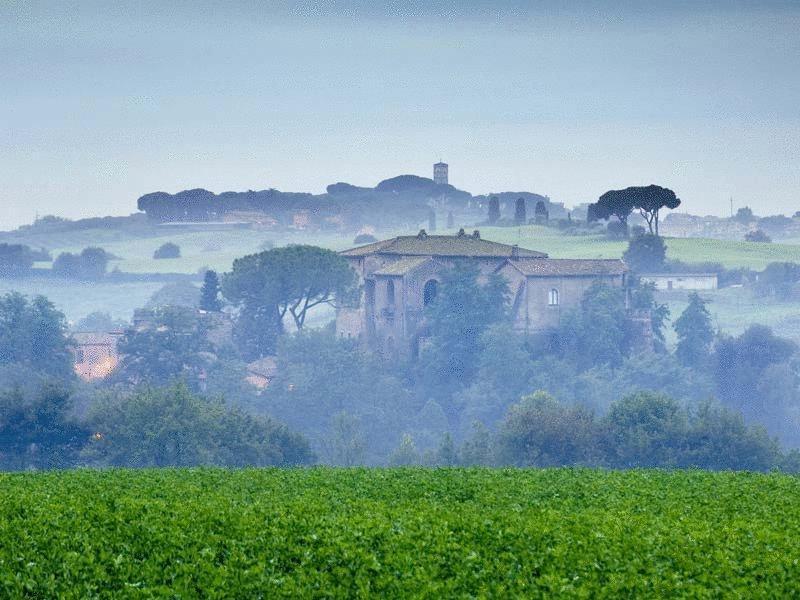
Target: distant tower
{"points": [[440, 173]]}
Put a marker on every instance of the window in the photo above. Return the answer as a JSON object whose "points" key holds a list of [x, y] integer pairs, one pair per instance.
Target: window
{"points": [[429, 293], [553, 300], [390, 292]]}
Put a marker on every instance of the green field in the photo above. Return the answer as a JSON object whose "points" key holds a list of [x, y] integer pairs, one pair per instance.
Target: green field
{"points": [[730, 253], [432, 533], [217, 247]]}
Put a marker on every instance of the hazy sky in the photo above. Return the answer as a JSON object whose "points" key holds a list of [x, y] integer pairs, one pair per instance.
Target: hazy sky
{"points": [[102, 104]]}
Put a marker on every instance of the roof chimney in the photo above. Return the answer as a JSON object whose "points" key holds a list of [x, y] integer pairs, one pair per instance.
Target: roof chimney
{"points": [[476, 234], [514, 252]]}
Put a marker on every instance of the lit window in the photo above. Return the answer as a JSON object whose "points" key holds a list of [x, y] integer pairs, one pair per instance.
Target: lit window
{"points": [[553, 297]]}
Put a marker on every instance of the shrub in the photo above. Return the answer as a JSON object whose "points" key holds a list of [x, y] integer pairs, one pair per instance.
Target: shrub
{"points": [[757, 236], [168, 250]]}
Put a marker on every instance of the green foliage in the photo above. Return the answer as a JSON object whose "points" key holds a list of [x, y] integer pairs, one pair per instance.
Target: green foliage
{"points": [[642, 298], [494, 210], [174, 346], [695, 334], [744, 215], [347, 447], [398, 533], [718, 438], [320, 376], [477, 449], [90, 264], [462, 311], [161, 427], [38, 429], [16, 260], [520, 214], [757, 235], [741, 363], [406, 453], [210, 292], [647, 200], [167, 250], [645, 430], [596, 334], [778, 279], [99, 321], [280, 282], [177, 293], [34, 334], [646, 254], [539, 431]]}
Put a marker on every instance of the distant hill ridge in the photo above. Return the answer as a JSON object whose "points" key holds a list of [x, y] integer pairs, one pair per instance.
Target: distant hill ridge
{"points": [[397, 199]]}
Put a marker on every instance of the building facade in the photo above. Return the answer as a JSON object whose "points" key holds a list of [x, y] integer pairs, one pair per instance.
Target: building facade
{"points": [[401, 276]]}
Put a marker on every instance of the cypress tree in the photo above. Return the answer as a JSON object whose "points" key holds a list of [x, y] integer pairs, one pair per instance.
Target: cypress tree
{"points": [[209, 294], [520, 214], [494, 210]]}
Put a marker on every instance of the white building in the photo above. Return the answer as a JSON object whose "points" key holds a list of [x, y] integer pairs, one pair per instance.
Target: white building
{"points": [[440, 173], [681, 281]]}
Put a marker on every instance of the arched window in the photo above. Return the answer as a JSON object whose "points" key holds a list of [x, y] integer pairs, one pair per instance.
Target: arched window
{"points": [[429, 293], [553, 301], [390, 292]]}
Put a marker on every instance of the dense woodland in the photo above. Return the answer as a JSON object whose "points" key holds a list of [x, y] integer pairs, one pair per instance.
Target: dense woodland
{"points": [[584, 393]]}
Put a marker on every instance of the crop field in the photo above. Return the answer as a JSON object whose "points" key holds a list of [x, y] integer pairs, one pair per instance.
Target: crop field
{"points": [[434, 533]]}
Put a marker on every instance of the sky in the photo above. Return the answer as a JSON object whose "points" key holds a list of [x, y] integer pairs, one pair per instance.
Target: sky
{"points": [[103, 102]]}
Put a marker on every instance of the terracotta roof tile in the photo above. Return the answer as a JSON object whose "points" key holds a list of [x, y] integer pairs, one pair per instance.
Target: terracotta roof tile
{"points": [[441, 245], [550, 267], [402, 266]]}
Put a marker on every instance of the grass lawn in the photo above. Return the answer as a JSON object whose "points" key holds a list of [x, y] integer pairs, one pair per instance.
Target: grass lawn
{"points": [[730, 253], [734, 309], [392, 533]]}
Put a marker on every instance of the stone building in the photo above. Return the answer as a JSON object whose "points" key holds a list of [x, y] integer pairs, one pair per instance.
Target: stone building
{"points": [[440, 173], [400, 276], [95, 354]]}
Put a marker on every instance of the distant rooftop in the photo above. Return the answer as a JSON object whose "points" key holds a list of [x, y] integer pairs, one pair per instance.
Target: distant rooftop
{"points": [[461, 244]]}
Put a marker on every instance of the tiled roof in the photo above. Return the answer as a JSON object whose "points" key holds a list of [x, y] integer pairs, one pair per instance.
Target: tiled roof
{"points": [[442, 245], [263, 367], [550, 267], [402, 266]]}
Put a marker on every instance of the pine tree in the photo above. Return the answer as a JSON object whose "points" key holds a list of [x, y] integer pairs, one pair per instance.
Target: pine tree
{"points": [[209, 294], [520, 213], [695, 333]]}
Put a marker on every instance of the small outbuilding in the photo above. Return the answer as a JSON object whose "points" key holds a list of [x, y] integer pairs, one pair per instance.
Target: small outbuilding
{"points": [[682, 281]]}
